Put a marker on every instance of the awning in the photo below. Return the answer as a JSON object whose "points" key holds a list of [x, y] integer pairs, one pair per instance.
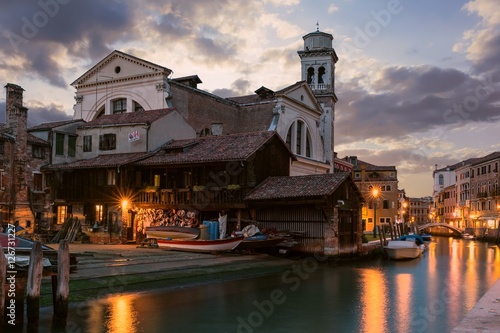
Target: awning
{"points": [[487, 217]]}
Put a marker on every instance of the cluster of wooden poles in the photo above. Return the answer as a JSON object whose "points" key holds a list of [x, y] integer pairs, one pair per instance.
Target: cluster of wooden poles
{"points": [[16, 286]]}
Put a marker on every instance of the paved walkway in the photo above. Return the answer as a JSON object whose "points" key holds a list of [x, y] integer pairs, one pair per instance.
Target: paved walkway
{"points": [[485, 316], [95, 260]]}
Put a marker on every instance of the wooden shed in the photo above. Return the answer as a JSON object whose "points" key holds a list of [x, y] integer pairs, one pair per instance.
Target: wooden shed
{"points": [[323, 211]]}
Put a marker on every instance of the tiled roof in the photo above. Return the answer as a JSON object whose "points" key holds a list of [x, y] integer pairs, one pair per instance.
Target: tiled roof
{"points": [[298, 186], [139, 117], [31, 138], [232, 147], [37, 140], [101, 161], [372, 167], [51, 125], [487, 158]]}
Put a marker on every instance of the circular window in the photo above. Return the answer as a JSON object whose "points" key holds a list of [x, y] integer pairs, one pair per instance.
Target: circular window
{"points": [[117, 69]]}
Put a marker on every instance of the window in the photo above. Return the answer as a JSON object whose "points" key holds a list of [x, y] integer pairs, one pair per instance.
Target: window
{"points": [[37, 151], [357, 175], [71, 146], [298, 139], [87, 143], [120, 105], [385, 204], [441, 180], [107, 141], [62, 213], [59, 144], [37, 182], [2, 147], [98, 212], [111, 177]]}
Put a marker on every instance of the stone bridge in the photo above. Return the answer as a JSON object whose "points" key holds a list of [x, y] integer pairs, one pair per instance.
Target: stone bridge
{"points": [[424, 226]]}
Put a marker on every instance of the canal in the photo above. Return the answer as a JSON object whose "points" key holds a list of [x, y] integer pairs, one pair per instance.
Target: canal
{"points": [[429, 294]]}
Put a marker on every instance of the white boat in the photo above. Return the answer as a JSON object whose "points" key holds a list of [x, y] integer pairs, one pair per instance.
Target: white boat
{"points": [[172, 231], [468, 236], [200, 245], [402, 249]]}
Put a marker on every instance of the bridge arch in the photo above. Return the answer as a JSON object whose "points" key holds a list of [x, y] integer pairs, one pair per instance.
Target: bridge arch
{"points": [[424, 226]]}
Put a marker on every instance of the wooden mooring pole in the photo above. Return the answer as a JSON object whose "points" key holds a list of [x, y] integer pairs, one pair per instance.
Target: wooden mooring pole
{"points": [[33, 285], [62, 287]]}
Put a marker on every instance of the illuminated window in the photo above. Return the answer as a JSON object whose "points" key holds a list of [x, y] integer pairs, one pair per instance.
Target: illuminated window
{"points": [[98, 212], [62, 213]]}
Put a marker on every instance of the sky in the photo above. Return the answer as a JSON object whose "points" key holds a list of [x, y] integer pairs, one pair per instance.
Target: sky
{"points": [[418, 82]]}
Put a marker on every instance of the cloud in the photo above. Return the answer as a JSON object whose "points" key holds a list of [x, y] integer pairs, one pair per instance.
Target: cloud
{"points": [[43, 33], [39, 113], [332, 9]]}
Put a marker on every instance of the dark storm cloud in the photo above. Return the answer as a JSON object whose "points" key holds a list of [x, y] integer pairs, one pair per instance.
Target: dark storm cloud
{"points": [[414, 99], [45, 114], [40, 31], [39, 114]]}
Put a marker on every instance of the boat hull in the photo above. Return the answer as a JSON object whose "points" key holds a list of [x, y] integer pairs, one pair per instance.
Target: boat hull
{"points": [[172, 232], [198, 245], [399, 250], [255, 243]]}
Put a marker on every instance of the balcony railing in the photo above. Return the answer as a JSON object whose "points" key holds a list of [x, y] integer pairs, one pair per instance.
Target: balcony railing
{"points": [[194, 196]]}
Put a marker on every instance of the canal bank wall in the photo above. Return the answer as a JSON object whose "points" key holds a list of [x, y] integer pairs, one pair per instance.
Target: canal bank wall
{"points": [[485, 316]]}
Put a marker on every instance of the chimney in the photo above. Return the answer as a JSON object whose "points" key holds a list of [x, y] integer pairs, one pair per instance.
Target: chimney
{"points": [[16, 117], [216, 128]]}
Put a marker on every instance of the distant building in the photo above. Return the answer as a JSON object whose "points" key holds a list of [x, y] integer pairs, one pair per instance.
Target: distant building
{"points": [[419, 210], [379, 187], [467, 194]]}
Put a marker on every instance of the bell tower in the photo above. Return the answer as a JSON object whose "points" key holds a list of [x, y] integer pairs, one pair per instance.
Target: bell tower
{"points": [[318, 59]]}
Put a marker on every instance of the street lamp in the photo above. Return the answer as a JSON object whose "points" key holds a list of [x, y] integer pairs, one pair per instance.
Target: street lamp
{"points": [[375, 195]]}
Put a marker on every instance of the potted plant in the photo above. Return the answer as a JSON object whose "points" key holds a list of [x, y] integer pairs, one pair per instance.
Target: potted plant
{"points": [[233, 187]]}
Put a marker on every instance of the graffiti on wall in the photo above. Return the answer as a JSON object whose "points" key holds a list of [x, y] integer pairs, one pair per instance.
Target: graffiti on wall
{"points": [[146, 217]]}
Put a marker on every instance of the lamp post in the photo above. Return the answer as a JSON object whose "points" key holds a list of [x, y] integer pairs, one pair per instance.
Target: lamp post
{"points": [[375, 195]]}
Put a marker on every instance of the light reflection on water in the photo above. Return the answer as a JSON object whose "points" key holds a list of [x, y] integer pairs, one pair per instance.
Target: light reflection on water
{"points": [[429, 294]]}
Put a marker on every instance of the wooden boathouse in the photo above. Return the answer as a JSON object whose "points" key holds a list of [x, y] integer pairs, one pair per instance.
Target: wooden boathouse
{"points": [[323, 211]]}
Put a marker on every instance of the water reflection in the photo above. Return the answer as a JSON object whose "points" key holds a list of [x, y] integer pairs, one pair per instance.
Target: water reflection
{"points": [[373, 301], [429, 294], [122, 317]]}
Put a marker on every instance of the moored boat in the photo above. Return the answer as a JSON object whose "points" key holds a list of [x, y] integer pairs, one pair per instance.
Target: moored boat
{"points": [[402, 249], [172, 231], [259, 241], [468, 236], [200, 245]]}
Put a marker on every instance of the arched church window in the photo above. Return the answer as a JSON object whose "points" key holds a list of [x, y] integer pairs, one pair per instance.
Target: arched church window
{"points": [[310, 75], [298, 138], [321, 75]]}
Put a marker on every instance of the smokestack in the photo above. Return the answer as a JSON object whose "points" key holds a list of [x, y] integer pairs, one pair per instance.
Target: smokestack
{"points": [[16, 117]]}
